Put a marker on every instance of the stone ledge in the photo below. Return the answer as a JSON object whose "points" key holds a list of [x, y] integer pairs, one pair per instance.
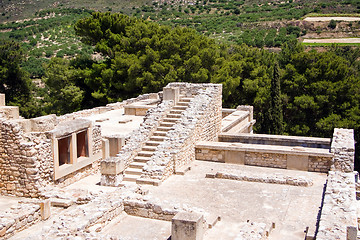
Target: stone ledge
{"points": [[241, 147], [276, 139]]}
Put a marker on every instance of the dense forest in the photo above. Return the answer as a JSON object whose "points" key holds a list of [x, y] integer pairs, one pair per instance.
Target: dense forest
{"points": [[293, 92]]}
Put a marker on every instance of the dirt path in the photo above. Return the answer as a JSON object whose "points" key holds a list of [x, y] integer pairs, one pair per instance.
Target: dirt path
{"points": [[325, 19], [333, 40]]}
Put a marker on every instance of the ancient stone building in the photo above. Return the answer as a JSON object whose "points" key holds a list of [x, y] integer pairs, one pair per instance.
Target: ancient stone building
{"points": [[173, 163]]}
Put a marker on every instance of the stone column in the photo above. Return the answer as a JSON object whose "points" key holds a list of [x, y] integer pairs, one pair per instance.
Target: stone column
{"points": [[187, 226], [343, 148]]}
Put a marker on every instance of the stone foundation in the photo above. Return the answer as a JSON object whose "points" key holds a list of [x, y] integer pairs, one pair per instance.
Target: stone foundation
{"points": [[306, 159]]}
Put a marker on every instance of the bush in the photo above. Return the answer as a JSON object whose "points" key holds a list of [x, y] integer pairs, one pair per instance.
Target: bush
{"points": [[332, 24]]}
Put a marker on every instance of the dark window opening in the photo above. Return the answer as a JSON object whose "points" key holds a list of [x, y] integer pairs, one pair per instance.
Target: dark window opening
{"points": [[82, 144], [64, 150]]}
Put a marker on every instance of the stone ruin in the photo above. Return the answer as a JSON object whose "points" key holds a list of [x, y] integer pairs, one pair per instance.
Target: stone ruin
{"points": [[133, 148]]}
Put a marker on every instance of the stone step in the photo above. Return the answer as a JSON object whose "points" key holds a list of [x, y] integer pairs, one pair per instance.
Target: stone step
{"points": [[179, 107], [157, 138], [145, 153], [160, 133], [172, 120], [152, 143], [130, 178], [183, 103], [171, 115], [133, 171], [149, 148], [139, 165], [176, 111], [167, 124], [141, 159], [185, 99], [164, 129]]}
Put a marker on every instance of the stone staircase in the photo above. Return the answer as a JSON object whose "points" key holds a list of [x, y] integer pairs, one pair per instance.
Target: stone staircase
{"points": [[134, 171]]}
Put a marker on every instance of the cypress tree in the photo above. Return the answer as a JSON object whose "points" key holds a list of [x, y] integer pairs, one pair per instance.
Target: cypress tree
{"points": [[276, 114]]}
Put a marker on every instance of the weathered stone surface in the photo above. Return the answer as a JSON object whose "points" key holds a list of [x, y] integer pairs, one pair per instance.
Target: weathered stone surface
{"points": [[187, 226]]}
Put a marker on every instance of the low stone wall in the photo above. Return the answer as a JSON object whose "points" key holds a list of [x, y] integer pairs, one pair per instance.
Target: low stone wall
{"points": [[18, 218], [239, 121], [298, 158], [83, 221], [108, 107], [278, 179], [281, 140], [200, 121], [148, 210], [343, 148], [339, 208], [135, 142]]}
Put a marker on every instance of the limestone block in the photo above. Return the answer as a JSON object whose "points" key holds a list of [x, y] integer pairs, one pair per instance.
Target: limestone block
{"points": [[112, 167], [2, 99], [45, 209], [129, 111], [298, 162], [171, 93], [187, 226], [25, 124], [105, 149], [10, 112], [43, 123], [69, 127], [236, 157], [351, 233]]}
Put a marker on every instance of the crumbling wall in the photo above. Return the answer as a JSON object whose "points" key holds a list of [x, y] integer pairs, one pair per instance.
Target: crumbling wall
{"points": [[338, 218], [200, 121], [24, 166], [339, 207], [108, 107], [343, 147]]}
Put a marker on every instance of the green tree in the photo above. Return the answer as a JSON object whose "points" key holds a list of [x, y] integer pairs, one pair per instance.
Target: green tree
{"points": [[63, 95], [14, 81]]}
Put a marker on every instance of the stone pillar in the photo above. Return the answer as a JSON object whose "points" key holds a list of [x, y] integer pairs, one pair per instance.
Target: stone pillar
{"points": [[2, 100], [171, 93], [343, 148], [112, 172], [351, 233], [45, 209], [105, 148], [187, 226], [115, 145]]}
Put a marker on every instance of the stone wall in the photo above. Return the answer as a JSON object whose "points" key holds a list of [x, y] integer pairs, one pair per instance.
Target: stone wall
{"points": [[299, 158], [200, 121], [275, 160], [343, 147], [19, 161], [97, 139], [339, 207], [18, 218], [319, 164], [108, 107], [148, 210]]}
